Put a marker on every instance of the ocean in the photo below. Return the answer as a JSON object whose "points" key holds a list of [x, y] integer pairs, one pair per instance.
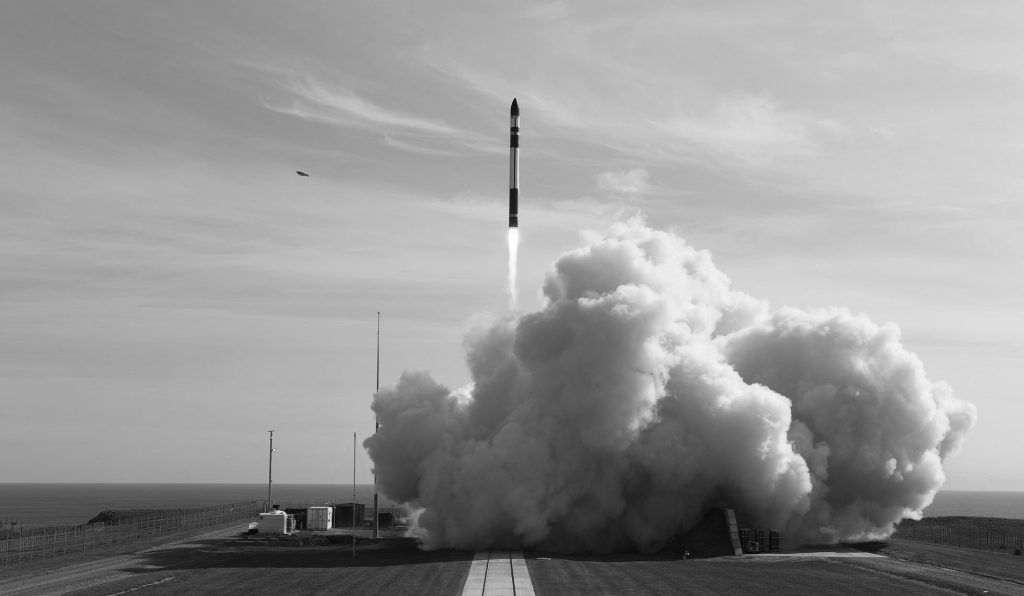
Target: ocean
{"points": [[1005, 504], [37, 505]]}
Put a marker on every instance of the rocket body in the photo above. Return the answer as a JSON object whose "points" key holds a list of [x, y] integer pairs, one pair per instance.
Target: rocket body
{"points": [[513, 168]]}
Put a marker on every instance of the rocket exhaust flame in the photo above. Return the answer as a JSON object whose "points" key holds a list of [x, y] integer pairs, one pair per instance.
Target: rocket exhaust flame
{"points": [[513, 255], [647, 390]]}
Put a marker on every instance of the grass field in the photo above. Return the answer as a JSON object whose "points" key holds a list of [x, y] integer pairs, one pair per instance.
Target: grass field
{"points": [[990, 533], [383, 567], [227, 562], [397, 566], [225, 565], [980, 562], [754, 575]]}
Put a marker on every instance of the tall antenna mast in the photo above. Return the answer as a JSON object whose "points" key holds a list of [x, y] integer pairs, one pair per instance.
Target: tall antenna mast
{"points": [[354, 495], [270, 475], [376, 426]]}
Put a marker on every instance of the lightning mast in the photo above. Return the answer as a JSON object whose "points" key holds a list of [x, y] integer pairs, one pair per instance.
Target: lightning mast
{"points": [[376, 421], [270, 475]]}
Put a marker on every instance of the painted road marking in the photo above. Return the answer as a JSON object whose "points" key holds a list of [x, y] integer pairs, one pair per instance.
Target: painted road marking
{"points": [[498, 574], [477, 576], [521, 576]]}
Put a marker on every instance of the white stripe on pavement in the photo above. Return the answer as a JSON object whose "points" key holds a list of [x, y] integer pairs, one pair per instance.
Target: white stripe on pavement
{"points": [[521, 576], [498, 574], [477, 576]]}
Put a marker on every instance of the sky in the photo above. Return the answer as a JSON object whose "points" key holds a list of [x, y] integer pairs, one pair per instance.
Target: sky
{"points": [[170, 289]]}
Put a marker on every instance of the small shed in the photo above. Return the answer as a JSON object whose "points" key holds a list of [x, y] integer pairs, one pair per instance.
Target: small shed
{"points": [[275, 522], [319, 518], [343, 514]]}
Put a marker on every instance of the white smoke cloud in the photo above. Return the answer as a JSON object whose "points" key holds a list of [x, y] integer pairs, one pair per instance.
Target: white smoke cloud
{"points": [[646, 391]]}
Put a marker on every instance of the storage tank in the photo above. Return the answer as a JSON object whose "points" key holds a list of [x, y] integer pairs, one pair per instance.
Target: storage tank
{"points": [[275, 522], [319, 518]]}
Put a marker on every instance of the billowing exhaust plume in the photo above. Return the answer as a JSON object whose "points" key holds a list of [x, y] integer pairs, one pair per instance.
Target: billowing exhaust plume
{"points": [[647, 391], [513, 257]]}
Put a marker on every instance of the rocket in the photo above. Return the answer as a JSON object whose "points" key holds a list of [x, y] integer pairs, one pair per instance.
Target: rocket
{"points": [[513, 168]]}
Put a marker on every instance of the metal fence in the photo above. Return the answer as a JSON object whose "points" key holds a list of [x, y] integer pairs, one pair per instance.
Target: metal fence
{"points": [[966, 537], [57, 542]]}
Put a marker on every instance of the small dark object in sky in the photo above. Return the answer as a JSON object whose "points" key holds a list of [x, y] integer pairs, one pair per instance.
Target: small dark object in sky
{"points": [[302, 173]]}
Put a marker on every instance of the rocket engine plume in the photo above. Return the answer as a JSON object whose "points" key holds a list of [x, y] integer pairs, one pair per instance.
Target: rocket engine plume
{"points": [[513, 257], [647, 390]]}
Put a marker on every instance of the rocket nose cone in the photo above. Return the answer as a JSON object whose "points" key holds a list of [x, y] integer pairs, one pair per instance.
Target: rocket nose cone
{"points": [[515, 107]]}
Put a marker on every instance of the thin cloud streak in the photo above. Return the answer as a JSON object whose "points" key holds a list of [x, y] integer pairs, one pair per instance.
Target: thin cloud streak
{"points": [[391, 141], [753, 130], [738, 131], [343, 107], [339, 106]]}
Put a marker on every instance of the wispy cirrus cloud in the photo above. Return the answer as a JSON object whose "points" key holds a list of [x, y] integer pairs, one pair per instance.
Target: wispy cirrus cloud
{"points": [[714, 127], [338, 105], [751, 129], [317, 101], [392, 141]]}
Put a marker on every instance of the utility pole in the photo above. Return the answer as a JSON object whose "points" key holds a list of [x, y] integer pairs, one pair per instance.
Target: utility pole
{"points": [[270, 475], [376, 514]]}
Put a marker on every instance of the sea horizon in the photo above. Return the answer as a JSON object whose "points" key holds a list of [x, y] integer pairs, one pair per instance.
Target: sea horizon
{"points": [[37, 504]]}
